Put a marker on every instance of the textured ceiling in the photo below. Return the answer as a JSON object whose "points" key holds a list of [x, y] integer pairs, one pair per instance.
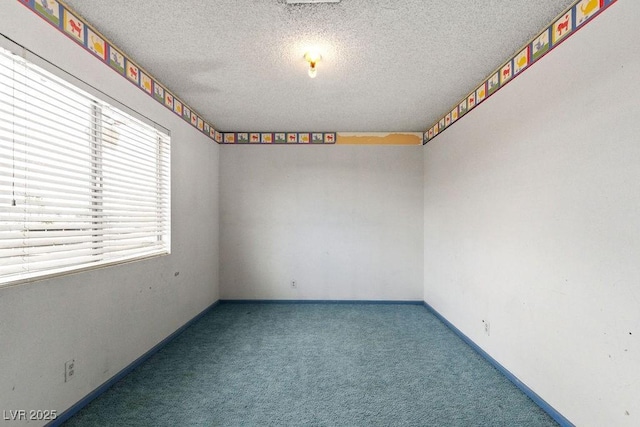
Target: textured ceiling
{"points": [[387, 65]]}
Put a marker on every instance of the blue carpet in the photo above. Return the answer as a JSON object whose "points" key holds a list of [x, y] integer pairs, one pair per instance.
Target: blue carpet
{"points": [[314, 364]]}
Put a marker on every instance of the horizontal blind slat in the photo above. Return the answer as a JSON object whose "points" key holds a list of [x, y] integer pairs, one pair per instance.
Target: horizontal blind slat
{"points": [[67, 146], [45, 174]]}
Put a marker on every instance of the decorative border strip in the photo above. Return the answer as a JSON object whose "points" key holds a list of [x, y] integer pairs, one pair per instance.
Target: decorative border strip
{"points": [[564, 26], [59, 15], [347, 138], [279, 138], [71, 24], [68, 22]]}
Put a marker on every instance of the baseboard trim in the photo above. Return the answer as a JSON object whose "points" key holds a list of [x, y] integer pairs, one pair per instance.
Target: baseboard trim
{"points": [[320, 301], [553, 413], [117, 377]]}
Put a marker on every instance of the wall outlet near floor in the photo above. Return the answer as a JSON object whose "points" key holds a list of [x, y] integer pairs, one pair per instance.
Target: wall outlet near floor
{"points": [[69, 370], [294, 285], [487, 327]]}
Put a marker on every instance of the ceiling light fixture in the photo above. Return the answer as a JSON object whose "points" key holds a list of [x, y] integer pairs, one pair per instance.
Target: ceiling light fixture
{"points": [[312, 58]]}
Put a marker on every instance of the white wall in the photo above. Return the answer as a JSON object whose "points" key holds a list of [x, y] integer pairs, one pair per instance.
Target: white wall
{"points": [[344, 222], [532, 222], [106, 318]]}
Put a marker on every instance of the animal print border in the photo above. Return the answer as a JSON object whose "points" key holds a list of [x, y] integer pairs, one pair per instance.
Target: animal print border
{"points": [[564, 26], [279, 138], [67, 21], [62, 17], [70, 23]]}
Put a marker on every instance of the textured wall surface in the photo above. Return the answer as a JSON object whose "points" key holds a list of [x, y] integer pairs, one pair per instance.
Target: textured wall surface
{"points": [[106, 318], [532, 223], [344, 222]]}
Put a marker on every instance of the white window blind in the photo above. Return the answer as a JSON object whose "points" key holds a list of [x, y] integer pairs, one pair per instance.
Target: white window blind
{"points": [[82, 183]]}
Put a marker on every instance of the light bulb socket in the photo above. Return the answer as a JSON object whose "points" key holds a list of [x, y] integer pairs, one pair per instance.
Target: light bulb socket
{"points": [[312, 58]]}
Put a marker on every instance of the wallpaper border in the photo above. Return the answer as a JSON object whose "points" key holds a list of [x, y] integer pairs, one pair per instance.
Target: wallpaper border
{"points": [[70, 23], [560, 29], [76, 28]]}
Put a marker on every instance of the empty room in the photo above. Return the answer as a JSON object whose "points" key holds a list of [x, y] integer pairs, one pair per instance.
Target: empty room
{"points": [[319, 212]]}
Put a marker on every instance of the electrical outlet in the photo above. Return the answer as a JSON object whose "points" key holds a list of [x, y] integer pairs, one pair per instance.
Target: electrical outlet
{"points": [[69, 370], [487, 327], [294, 285]]}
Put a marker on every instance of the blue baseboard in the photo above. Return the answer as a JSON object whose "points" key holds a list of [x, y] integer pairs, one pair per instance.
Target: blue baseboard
{"points": [[319, 301], [140, 360], [557, 416]]}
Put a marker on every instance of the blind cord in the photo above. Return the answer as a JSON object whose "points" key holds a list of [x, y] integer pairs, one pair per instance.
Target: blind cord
{"points": [[13, 137]]}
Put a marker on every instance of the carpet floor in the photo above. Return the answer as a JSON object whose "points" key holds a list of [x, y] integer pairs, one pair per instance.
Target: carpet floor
{"points": [[318, 365]]}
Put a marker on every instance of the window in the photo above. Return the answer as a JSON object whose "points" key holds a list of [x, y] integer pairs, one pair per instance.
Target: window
{"points": [[82, 183]]}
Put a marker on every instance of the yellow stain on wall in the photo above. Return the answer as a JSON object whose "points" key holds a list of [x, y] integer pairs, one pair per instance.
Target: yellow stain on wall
{"points": [[379, 138]]}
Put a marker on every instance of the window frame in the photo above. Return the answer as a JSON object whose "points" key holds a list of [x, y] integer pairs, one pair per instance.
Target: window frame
{"points": [[162, 166]]}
